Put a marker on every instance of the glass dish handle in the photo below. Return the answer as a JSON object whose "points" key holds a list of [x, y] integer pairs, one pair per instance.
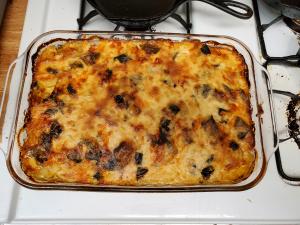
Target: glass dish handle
{"points": [[6, 123], [270, 153]]}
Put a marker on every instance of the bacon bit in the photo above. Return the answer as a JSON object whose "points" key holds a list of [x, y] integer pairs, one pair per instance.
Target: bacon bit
{"points": [[74, 155], [91, 57], [211, 126], [46, 141], [123, 153], [150, 48], [40, 154], [76, 64], [55, 129], [107, 161], [186, 134]]}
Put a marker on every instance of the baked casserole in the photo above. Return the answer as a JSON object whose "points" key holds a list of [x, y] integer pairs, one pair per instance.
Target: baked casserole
{"points": [[137, 113]]}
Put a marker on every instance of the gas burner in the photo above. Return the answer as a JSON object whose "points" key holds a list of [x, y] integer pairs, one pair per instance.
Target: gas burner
{"points": [[293, 112], [282, 156], [293, 115]]}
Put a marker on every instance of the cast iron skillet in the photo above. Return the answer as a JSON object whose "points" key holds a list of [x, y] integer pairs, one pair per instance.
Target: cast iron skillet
{"points": [[145, 13]]}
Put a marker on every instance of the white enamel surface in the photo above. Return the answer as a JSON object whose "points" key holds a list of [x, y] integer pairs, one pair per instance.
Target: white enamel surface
{"points": [[271, 201]]}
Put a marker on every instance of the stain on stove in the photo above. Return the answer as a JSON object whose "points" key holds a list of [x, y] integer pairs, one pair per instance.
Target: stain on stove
{"points": [[293, 111]]}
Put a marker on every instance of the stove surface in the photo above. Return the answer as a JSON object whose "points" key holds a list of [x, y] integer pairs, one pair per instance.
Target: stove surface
{"points": [[271, 201]]}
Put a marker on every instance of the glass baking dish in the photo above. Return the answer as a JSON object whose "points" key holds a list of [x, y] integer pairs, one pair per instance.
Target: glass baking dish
{"points": [[15, 102]]}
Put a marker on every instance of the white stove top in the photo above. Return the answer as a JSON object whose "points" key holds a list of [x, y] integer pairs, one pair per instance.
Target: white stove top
{"points": [[270, 201]]}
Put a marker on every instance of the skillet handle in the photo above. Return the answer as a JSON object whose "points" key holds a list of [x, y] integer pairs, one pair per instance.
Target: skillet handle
{"points": [[229, 6]]}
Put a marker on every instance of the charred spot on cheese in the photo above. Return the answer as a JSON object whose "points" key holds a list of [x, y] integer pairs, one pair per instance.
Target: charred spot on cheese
{"points": [[123, 153], [46, 141], [187, 135], [242, 134], [55, 129], [243, 95], [71, 90], [121, 102], [123, 58], [210, 126], [107, 75], [233, 145], [60, 103], [150, 48], [227, 88], [140, 172], [90, 58], [135, 110], [222, 111], [75, 156], [76, 64], [220, 95], [205, 49], [163, 132], [207, 172], [210, 158], [97, 176], [205, 90], [136, 79], [34, 84], [51, 111], [52, 70], [54, 97], [174, 109], [240, 123], [138, 158]]}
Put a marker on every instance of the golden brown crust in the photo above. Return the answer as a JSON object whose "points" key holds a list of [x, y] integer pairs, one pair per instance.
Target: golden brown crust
{"points": [[138, 112]]}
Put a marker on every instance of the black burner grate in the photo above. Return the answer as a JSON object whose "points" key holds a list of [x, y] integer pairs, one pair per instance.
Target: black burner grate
{"points": [[293, 60], [261, 28], [186, 23]]}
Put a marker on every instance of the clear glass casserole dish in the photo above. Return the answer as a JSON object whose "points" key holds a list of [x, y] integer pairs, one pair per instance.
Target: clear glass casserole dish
{"points": [[15, 102]]}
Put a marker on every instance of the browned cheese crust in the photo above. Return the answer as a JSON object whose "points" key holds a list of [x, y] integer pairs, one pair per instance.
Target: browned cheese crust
{"points": [[138, 112]]}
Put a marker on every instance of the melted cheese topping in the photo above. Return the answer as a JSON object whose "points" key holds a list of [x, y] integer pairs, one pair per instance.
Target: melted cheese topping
{"points": [[139, 112]]}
